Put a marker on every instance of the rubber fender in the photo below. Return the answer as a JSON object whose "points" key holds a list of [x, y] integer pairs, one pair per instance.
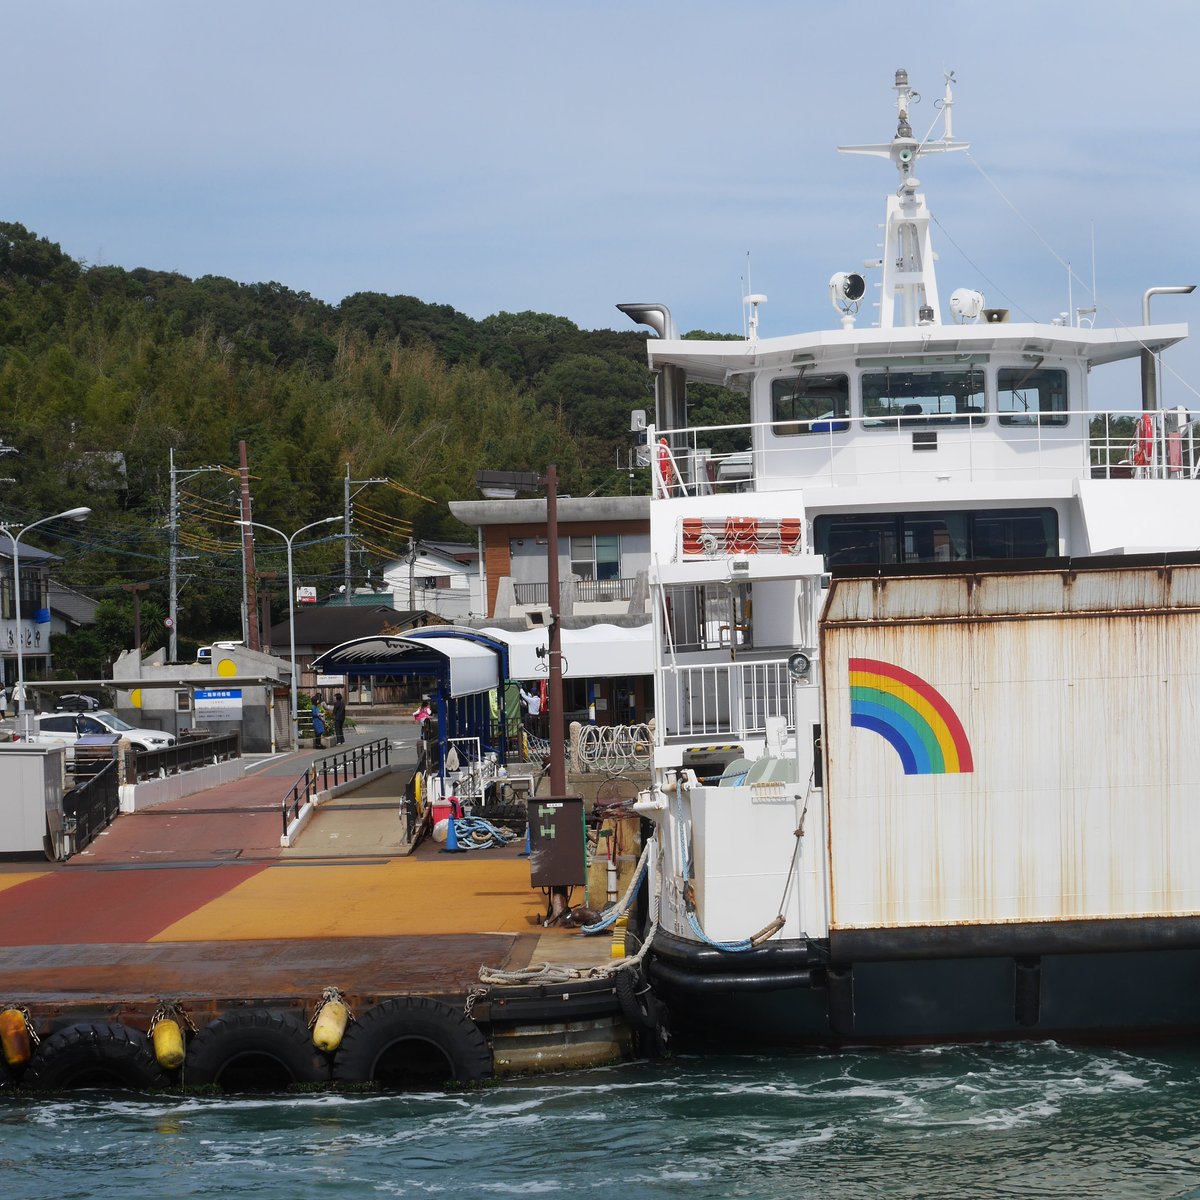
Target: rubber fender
{"points": [[14, 1039], [95, 1055], [413, 1038], [167, 1040], [639, 1006], [330, 1026], [254, 1049]]}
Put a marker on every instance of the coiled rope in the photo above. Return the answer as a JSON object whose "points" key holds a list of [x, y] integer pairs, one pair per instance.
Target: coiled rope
{"points": [[558, 973], [614, 747], [474, 833]]}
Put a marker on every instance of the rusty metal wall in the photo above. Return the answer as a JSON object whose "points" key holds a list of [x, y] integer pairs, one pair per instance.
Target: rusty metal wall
{"points": [[1079, 696]]}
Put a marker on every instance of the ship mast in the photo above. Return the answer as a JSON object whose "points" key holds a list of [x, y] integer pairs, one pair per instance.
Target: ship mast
{"points": [[909, 294]]}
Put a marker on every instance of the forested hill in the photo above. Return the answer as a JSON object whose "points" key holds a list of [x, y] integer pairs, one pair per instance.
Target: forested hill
{"points": [[104, 370]]}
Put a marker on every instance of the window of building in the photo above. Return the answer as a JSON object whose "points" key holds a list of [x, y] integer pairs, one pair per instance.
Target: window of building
{"points": [[596, 556], [849, 539], [922, 397], [810, 404], [1031, 396]]}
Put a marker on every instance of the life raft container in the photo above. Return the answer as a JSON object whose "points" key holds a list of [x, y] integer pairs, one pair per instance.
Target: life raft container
{"points": [[413, 1041], [254, 1049], [94, 1055]]}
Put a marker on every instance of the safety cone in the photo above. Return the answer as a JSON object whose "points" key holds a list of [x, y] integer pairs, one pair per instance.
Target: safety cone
{"points": [[452, 846], [526, 852]]}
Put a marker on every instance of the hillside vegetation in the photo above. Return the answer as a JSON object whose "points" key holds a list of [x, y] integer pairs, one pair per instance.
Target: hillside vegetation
{"points": [[105, 371]]}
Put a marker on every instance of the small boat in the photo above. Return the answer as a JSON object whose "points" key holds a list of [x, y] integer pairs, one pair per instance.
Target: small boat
{"points": [[925, 630]]}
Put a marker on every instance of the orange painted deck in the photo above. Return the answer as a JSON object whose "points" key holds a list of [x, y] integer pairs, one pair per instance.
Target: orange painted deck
{"points": [[194, 900]]}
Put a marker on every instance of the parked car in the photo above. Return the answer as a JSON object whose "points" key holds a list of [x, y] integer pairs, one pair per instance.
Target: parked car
{"points": [[77, 702], [68, 728]]}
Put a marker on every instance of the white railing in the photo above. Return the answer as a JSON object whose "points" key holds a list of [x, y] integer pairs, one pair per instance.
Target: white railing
{"points": [[731, 699], [1094, 444]]}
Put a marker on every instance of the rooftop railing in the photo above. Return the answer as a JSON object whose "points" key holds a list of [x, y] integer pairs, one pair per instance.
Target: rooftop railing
{"points": [[974, 447]]}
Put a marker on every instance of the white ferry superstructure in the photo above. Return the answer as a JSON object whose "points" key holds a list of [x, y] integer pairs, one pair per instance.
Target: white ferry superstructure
{"points": [[925, 760]]}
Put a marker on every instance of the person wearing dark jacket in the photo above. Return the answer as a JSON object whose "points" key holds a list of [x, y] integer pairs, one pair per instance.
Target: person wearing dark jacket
{"points": [[339, 719]]}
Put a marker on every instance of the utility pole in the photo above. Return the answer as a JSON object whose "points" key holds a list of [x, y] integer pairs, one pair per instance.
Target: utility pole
{"points": [[349, 495], [173, 527], [249, 587], [558, 765], [136, 590]]}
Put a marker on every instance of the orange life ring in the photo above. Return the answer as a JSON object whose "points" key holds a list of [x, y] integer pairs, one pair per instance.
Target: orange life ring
{"points": [[665, 466], [1143, 444]]}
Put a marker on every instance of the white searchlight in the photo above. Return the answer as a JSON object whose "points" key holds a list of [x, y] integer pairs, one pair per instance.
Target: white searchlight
{"points": [[966, 304], [846, 289]]}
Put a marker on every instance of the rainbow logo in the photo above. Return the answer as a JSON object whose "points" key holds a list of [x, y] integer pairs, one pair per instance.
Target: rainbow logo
{"points": [[913, 715]]}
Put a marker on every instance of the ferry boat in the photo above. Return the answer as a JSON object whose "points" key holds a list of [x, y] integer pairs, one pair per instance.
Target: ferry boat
{"points": [[926, 757]]}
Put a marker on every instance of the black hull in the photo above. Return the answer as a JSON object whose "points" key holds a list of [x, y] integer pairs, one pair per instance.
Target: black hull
{"points": [[804, 993]]}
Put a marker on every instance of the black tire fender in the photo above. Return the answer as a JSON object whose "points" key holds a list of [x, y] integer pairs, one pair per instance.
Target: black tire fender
{"points": [[412, 1019], [639, 1006], [254, 1048], [100, 1054]]}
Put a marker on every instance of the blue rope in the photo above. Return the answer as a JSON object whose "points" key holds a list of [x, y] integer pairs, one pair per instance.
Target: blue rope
{"points": [[610, 917], [465, 827]]}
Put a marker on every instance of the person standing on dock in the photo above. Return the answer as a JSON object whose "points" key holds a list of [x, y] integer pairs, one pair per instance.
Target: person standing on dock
{"points": [[339, 719]]}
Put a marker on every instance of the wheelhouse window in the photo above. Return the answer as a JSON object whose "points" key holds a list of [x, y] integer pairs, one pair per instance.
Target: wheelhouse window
{"points": [[807, 403], [901, 397], [927, 537], [1031, 396]]}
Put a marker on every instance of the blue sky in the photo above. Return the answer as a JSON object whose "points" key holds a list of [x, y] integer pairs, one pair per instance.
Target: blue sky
{"points": [[565, 157]]}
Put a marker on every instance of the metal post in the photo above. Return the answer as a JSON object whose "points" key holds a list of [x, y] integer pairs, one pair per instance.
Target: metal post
{"points": [[1149, 367], [346, 547], [71, 514], [558, 766], [173, 586], [291, 610]]}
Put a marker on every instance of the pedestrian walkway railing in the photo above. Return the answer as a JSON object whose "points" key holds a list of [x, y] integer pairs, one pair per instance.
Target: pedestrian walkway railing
{"points": [[331, 769], [185, 755], [91, 807]]}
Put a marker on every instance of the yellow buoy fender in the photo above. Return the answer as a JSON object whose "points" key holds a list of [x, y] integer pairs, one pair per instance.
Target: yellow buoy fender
{"points": [[14, 1038], [330, 1025], [167, 1038]]}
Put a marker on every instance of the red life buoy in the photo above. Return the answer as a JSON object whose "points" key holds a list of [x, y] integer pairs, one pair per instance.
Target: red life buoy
{"points": [[1143, 444], [665, 466]]}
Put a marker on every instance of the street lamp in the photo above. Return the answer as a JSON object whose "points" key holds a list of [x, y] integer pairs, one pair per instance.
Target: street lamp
{"points": [[72, 514], [292, 611]]}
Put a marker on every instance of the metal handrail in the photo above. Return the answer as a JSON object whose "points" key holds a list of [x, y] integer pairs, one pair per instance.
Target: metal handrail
{"points": [[342, 765], [92, 806], [1066, 444], [185, 755]]}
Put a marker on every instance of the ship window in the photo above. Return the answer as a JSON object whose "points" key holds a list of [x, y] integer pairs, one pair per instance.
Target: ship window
{"points": [[926, 537], [896, 398], [807, 403], [1031, 396]]}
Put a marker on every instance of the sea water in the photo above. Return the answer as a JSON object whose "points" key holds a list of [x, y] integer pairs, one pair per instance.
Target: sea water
{"points": [[1003, 1120]]}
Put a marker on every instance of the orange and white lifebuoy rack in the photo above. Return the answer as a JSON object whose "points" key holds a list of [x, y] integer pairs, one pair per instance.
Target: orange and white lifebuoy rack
{"points": [[724, 537]]}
